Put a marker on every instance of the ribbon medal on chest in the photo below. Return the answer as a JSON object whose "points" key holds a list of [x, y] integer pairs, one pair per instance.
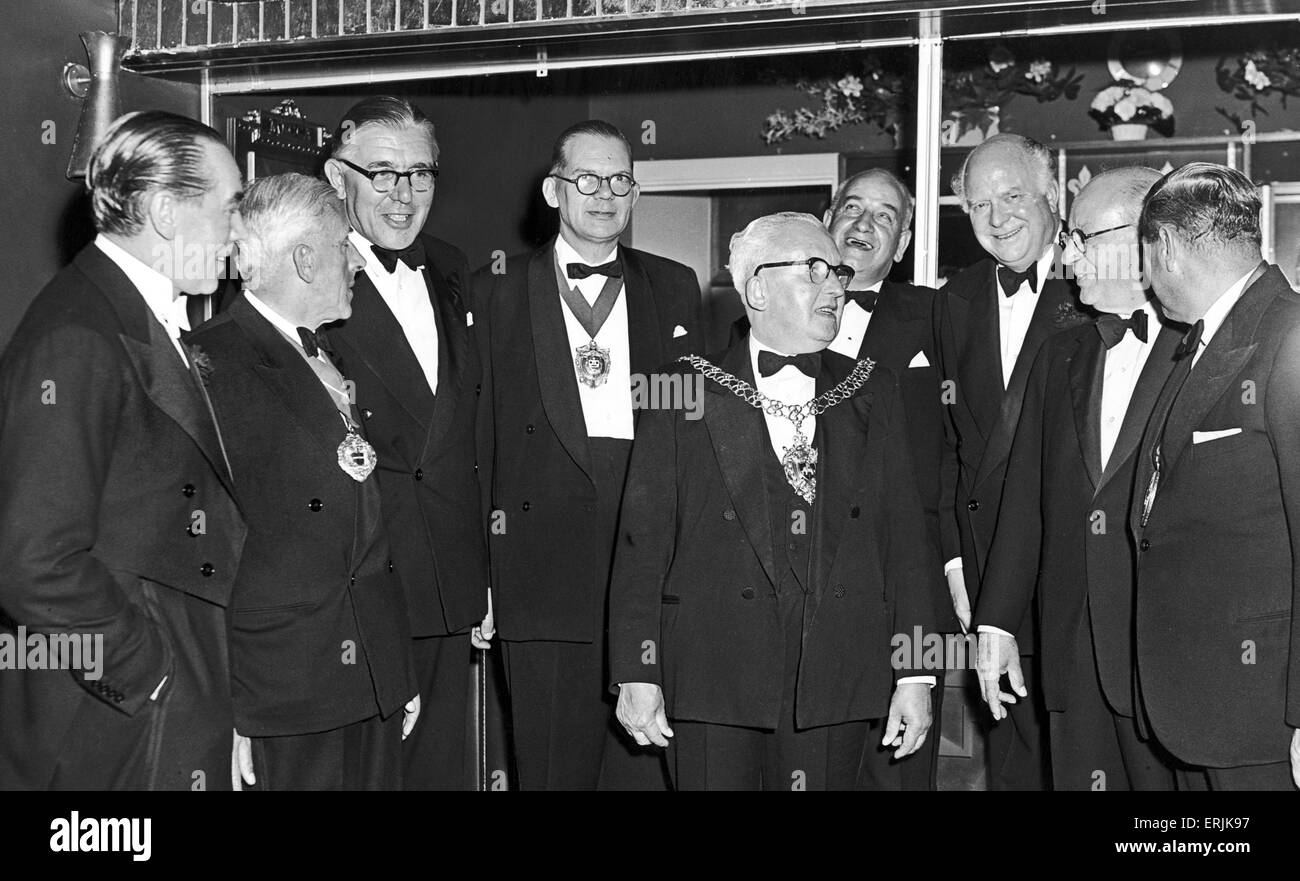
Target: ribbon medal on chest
{"points": [[800, 464], [355, 454]]}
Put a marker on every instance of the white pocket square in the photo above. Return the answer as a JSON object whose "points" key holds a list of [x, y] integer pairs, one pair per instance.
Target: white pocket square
{"points": [[679, 331], [919, 360], [1200, 437], [469, 319]]}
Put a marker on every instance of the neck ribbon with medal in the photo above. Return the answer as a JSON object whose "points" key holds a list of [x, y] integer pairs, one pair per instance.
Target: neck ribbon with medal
{"points": [[799, 460], [592, 362], [356, 456]]}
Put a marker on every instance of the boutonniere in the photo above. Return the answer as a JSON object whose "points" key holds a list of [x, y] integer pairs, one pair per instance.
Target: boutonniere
{"points": [[202, 363], [1068, 315]]}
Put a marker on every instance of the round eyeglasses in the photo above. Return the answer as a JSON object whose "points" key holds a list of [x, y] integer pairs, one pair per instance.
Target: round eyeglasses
{"points": [[818, 270], [620, 184], [1079, 239], [384, 179]]}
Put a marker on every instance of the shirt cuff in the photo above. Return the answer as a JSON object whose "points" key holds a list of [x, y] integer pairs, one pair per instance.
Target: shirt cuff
{"points": [[909, 680], [989, 628], [154, 696], [954, 563]]}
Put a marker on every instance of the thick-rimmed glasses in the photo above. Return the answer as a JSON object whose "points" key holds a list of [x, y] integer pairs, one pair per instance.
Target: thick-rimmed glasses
{"points": [[1079, 239], [620, 184], [818, 270], [384, 179]]}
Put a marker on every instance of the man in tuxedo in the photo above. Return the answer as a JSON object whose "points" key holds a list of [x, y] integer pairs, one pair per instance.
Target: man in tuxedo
{"points": [[1062, 526], [1216, 502], [117, 521], [408, 349], [569, 328], [990, 320], [320, 650], [764, 556]]}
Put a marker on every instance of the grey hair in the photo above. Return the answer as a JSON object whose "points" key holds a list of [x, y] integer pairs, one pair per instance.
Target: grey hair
{"points": [[141, 153], [280, 212], [909, 201], [1132, 183], [385, 110], [1038, 157], [755, 241], [1206, 203]]}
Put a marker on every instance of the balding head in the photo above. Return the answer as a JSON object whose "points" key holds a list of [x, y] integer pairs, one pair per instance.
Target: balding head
{"points": [[1108, 265]]}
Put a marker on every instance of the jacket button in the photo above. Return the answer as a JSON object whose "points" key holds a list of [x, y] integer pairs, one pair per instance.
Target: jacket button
{"points": [[747, 593], [839, 591], [478, 388], [207, 569], [367, 413], [728, 514], [117, 698], [352, 580], [419, 474], [187, 490], [973, 505], [526, 506], [529, 429], [1144, 545], [390, 565], [315, 504], [855, 511]]}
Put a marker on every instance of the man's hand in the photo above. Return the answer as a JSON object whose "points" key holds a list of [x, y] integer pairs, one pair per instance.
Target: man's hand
{"points": [[909, 718], [481, 635], [410, 713], [998, 654], [960, 601], [241, 763], [641, 712], [1295, 757]]}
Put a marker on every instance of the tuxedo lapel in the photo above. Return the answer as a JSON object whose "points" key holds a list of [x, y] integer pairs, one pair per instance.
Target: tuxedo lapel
{"points": [[842, 448], [647, 353], [974, 313], [555, 374], [1087, 374], [453, 337], [1160, 363], [739, 438]]}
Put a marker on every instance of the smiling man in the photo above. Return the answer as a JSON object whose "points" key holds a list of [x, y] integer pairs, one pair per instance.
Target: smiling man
{"points": [[408, 346], [990, 321], [774, 546], [567, 328], [1061, 530]]}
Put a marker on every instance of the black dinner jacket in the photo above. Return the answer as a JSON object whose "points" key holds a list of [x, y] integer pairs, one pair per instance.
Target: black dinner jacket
{"points": [[981, 415], [426, 443], [1218, 641], [1062, 528], [316, 577], [547, 572], [116, 518], [693, 597]]}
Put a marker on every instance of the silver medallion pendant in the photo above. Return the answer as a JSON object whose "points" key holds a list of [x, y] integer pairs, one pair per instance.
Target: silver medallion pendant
{"points": [[800, 464], [356, 456], [592, 363]]}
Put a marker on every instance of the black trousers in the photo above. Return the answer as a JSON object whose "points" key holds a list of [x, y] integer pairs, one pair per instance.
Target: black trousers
{"points": [[1095, 748], [363, 756], [561, 710], [918, 772], [435, 754], [1018, 745], [1273, 777]]}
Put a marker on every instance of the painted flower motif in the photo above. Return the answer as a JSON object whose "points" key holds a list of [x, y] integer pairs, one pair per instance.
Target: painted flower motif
{"points": [[1039, 70], [1256, 77], [850, 86], [1125, 108]]}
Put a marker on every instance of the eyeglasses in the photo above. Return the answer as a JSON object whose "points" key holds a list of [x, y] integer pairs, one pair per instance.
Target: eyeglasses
{"points": [[620, 184], [1079, 239], [385, 179], [818, 270]]}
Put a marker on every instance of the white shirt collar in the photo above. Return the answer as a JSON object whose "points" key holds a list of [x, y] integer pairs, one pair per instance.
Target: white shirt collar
{"points": [[565, 253], [875, 288], [1219, 309], [282, 324], [159, 293]]}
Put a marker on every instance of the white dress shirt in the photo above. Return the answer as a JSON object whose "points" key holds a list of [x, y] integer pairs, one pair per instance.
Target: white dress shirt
{"points": [[606, 409], [1124, 363], [320, 363], [854, 321], [159, 293], [1016, 312], [409, 300], [1218, 312], [789, 385]]}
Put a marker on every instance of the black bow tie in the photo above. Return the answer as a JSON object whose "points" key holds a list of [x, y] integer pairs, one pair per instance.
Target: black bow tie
{"points": [[770, 362], [1191, 341], [1112, 328], [613, 269], [865, 299], [314, 342], [1010, 280], [412, 256]]}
